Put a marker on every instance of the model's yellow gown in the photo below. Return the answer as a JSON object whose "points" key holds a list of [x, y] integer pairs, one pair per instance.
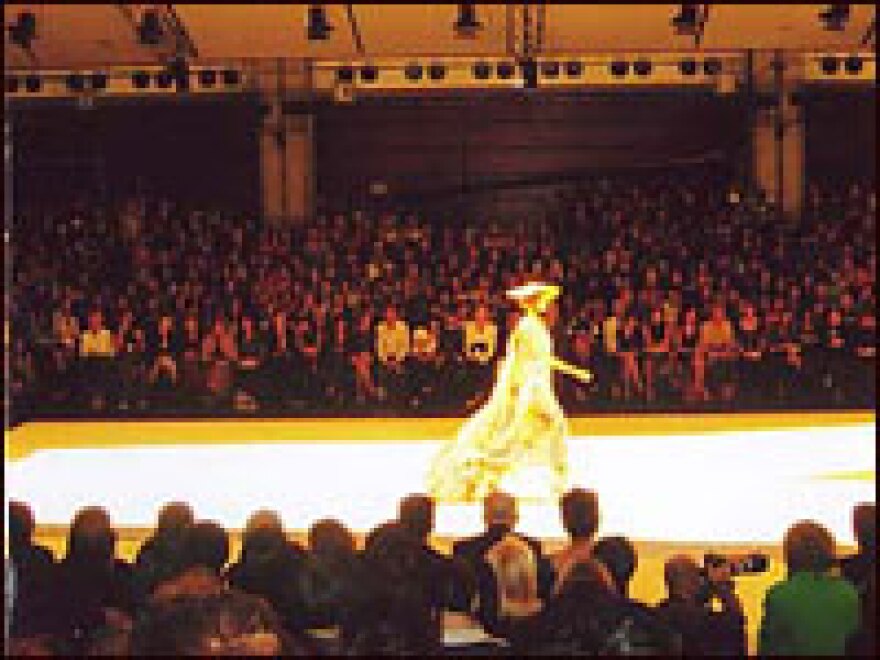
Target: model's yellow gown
{"points": [[516, 441]]}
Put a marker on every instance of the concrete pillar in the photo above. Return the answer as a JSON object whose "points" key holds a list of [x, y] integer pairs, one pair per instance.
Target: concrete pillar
{"points": [[778, 132], [287, 164]]}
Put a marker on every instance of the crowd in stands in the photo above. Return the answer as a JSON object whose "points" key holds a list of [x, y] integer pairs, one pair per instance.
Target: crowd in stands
{"points": [[675, 293], [496, 593]]}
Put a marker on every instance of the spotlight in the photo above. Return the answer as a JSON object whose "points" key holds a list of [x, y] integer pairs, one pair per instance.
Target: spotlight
{"points": [[550, 69], [482, 70], [149, 28], [436, 72], [467, 25], [642, 67], [529, 69], [76, 82], [33, 84], [11, 85], [505, 70], [140, 79], [369, 73], [414, 72], [24, 30], [829, 65], [317, 27], [712, 66], [573, 68], [164, 80], [852, 64], [619, 68], [685, 21], [99, 81], [835, 17], [207, 77], [687, 67], [231, 77], [345, 74]]}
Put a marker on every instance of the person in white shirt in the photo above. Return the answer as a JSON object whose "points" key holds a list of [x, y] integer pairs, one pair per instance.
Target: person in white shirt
{"points": [[97, 348]]}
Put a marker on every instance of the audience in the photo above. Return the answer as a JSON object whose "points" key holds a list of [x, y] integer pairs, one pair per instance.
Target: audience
{"points": [[33, 567], [330, 599], [812, 611], [676, 296], [580, 519], [861, 567]]}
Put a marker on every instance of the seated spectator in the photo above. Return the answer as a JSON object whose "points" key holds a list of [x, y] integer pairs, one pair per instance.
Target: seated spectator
{"points": [[90, 582], [452, 580], [858, 568], [328, 578], [688, 611], [480, 345], [515, 576], [34, 570], [159, 557], [717, 344], [864, 641], [227, 623], [97, 348], [392, 610], [810, 612], [580, 519], [269, 567], [204, 554]]}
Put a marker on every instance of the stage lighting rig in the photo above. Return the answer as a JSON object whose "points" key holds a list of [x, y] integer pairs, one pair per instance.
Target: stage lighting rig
{"points": [[835, 17], [24, 30], [691, 20], [149, 28], [318, 28], [467, 25]]}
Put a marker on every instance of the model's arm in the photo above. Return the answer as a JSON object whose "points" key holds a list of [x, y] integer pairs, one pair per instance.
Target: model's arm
{"points": [[570, 370]]}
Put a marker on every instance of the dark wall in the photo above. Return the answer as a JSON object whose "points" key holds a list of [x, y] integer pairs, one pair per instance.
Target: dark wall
{"points": [[413, 146], [206, 151], [841, 134]]}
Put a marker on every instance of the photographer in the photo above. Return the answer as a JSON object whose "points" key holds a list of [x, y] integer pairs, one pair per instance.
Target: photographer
{"points": [[689, 613]]}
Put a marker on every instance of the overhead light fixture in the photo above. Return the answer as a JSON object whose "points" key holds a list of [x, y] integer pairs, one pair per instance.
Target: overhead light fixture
{"points": [[688, 67], [642, 67], [140, 79], [76, 82], [505, 70], [414, 71], [482, 70], [550, 69], [24, 30], [467, 25], [574, 68], [11, 84], [345, 74], [207, 77], [369, 73], [619, 68], [437, 71], [835, 17], [33, 83], [164, 79], [829, 65], [179, 71], [853, 64], [686, 20], [98, 81], [317, 26], [149, 28], [231, 77], [712, 66]]}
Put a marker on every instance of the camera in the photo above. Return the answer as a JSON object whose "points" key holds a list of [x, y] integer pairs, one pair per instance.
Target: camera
{"points": [[746, 564]]}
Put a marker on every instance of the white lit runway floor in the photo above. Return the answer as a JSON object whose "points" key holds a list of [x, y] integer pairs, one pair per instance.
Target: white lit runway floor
{"points": [[744, 485]]}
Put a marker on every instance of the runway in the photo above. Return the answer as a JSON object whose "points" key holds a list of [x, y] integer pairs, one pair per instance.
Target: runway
{"points": [[704, 479]]}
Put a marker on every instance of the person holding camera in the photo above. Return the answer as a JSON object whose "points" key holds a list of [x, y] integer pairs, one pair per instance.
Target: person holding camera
{"points": [[703, 629]]}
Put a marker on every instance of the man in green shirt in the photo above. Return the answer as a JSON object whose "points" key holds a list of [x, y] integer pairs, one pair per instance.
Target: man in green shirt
{"points": [[812, 611]]}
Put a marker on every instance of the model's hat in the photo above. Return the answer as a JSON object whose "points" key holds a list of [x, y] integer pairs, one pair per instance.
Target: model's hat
{"points": [[541, 292]]}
